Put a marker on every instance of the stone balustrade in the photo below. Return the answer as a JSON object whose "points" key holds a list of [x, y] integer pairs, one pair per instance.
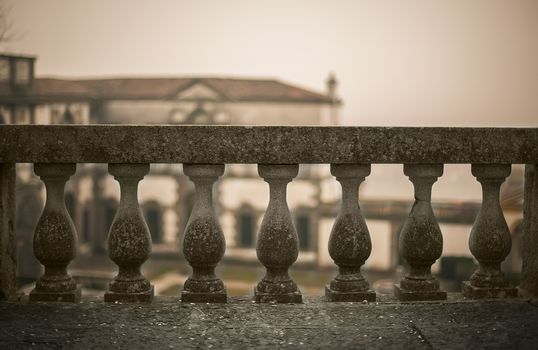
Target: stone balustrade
{"points": [[278, 151]]}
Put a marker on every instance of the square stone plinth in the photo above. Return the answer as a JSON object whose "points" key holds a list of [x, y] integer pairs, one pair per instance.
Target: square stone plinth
{"points": [[471, 292], [69, 297], [411, 295], [335, 296], [288, 298], [215, 297], [144, 297]]}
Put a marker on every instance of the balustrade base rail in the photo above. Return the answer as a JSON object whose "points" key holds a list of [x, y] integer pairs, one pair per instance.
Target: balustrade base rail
{"points": [[335, 296], [287, 298], [418, 295], [210, 297], [472, 292], [69, 296], [141, 297]]}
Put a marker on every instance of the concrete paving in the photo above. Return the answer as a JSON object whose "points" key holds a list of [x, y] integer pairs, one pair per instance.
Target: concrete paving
{"points": [[167, 324]]}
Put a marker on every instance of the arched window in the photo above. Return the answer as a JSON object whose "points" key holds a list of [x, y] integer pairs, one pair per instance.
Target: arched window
{"points": [[22, 115], [70, 204], [199, 115], [86, 225], [153, 214], [511, 265], [188, 205], [68, 117], [246, 224], [303, 231], [110, 211]]}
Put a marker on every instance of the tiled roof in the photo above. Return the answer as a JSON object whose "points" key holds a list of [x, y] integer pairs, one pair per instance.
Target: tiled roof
{"points": [[166, 88], [60, 87]]}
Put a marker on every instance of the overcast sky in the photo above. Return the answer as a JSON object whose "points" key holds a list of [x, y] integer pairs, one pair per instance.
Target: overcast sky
{"points": [[419, 62]]}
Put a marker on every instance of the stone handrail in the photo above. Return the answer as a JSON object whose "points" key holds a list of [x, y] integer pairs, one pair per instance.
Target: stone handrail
{"points": [[265, 144], [204, 151]]}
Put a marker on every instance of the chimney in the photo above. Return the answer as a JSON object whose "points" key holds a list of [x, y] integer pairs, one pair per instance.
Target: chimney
{"points": [[331, 86]]}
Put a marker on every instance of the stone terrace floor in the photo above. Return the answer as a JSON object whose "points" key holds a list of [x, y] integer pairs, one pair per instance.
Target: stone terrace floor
{"points": [[240, 324]]}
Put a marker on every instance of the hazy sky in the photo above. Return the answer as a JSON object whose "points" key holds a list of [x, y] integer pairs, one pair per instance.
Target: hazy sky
{"points": [[420, 62]]}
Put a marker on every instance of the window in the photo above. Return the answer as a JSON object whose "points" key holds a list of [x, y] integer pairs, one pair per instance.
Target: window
{"points": [[68, 117], [110, 213], [200, 115], [188, 205], [70, 204], [246, 229], [4, 70], [86, 225], [5, 113], [153, 219], [22, 115], [22, 72], [303, 231], [54, 115]]}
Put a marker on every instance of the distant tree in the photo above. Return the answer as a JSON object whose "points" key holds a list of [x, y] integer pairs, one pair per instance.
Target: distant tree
{"points": [[6, 24]]}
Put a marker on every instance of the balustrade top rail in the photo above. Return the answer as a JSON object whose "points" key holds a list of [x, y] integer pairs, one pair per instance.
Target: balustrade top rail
{"points": [[264, 144]]}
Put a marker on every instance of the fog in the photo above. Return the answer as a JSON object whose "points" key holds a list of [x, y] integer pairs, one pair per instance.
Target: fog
{"points": [[418, 62]]}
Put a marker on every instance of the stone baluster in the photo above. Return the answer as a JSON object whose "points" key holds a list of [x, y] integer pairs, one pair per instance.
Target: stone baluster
{"points": [[528, 287], [490, 240], [278, 245], [203, 242], [55, 238], [421, 241], [349, 243], [129, 240], [8, 248]]}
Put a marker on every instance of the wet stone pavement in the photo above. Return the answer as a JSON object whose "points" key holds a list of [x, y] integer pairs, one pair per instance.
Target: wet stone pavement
{"points": [[169, 324]]}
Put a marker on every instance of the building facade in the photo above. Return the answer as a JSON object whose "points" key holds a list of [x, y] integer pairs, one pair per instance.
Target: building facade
{"points": [[241, 196], [166, 195]]}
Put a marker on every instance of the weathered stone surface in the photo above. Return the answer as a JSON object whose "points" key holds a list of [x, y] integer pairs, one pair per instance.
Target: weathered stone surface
{"points": [[71, 296], [421, 241], [170, 324], [55, 238], [275, 294], [203, 242], [265, 144], [217, 296], [404, 294], [145, 296], [335, 296], [129, 240], [529, 271], [472, 292], [490, 241], [277, 247], [349, 242], [8, 263]]}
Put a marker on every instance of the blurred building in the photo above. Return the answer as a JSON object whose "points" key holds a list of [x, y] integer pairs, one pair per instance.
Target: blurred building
{"points": [[166, 196]]}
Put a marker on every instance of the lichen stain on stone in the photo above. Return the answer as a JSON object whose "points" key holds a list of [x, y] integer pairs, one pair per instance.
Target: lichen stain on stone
{"points": [[129, 239], [55, 239], [203, 241], [349, 242], [277, 244], [422, 240]]}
